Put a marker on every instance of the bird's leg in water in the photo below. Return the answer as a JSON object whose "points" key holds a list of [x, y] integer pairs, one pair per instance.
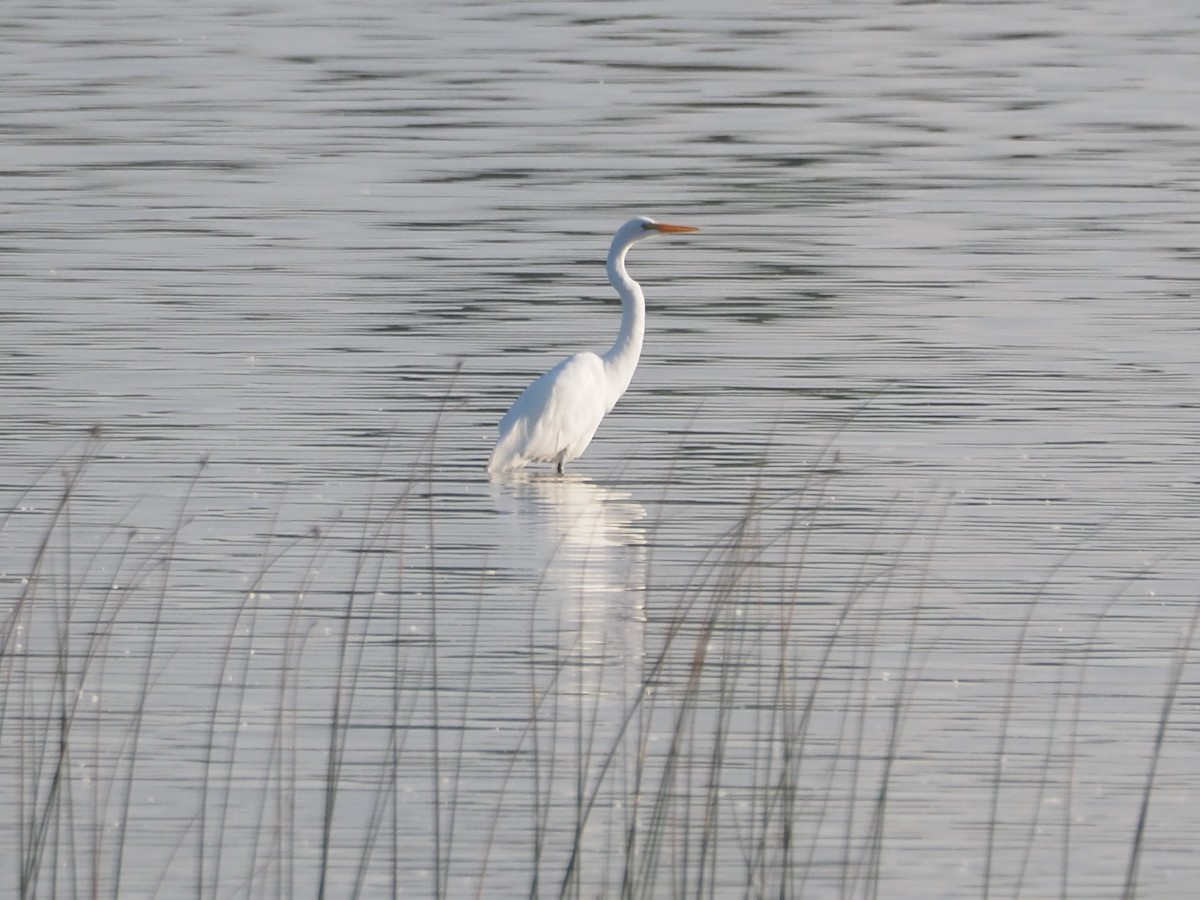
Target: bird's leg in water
{"points": [[561, 466]]}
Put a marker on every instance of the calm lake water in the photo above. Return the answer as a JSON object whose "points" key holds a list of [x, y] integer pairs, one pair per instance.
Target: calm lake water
{"points": [[893, 538]]}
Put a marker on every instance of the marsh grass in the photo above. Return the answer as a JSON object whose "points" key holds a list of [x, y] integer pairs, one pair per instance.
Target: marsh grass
{"points": [[353, 741]]}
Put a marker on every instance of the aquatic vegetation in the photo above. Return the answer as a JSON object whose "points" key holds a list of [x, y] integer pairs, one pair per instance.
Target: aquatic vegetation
{"points": [[357, 715]]}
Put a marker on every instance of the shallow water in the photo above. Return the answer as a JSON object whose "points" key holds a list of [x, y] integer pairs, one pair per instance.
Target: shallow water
{"points": [[936, 342]]}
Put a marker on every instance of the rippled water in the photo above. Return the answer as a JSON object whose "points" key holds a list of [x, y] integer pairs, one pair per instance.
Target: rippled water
{"points": [[923, 390]]}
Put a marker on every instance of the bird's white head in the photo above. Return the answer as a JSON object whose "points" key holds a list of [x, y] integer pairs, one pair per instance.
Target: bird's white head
{"points": [[643, 227], [648, 226]]}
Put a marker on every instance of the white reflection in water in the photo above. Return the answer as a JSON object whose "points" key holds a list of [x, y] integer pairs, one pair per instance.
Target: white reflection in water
{"points": [[581, 545], [583, 552]]}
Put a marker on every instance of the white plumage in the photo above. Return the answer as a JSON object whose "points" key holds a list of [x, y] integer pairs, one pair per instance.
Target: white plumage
{"points": [[555, 418]]}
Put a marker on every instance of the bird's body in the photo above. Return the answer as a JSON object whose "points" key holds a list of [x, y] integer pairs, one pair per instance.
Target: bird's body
{"points": [[555, 418]]}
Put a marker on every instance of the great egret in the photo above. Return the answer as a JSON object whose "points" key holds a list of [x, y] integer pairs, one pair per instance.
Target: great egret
{"points": [[555, 417]]}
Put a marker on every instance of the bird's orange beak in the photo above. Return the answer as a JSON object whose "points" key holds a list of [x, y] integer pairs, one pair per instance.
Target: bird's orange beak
{"points": [[672, 229]]}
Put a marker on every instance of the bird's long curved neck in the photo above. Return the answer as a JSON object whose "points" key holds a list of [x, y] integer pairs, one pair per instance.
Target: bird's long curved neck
{"points": [[622, 358]]}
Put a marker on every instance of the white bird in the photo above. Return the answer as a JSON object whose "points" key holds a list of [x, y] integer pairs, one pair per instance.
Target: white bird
{"points": [[555, 417]]}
